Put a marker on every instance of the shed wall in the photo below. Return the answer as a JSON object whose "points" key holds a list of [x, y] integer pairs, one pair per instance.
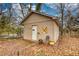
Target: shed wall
{"points": [[52, 30]]}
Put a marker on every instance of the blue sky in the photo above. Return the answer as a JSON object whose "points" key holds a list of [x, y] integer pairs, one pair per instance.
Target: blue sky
{"points": [[47, 9], [44, 8], [5, 5]]}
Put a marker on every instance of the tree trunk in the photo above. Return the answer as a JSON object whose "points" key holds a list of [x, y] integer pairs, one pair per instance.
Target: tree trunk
{"points": [[21, 9], [62, 17]]}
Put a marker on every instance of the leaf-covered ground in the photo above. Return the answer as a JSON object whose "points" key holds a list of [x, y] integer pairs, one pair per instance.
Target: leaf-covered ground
{"points": [[63, 47]]}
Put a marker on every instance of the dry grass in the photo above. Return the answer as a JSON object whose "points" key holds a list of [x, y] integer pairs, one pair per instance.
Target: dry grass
{"points": [[66, 46]]}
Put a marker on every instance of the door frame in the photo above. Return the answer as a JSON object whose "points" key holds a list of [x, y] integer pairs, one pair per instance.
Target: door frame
{"points": [[34, 34]]}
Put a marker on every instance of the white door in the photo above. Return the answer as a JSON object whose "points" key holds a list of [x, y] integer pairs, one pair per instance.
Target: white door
{"points": [[34, 32]]}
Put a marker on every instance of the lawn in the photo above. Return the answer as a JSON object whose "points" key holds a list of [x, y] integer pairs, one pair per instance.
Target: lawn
{"points": [[66, 46]]}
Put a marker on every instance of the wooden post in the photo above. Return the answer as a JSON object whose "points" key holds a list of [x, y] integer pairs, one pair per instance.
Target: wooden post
{"points": [[18, 53]]}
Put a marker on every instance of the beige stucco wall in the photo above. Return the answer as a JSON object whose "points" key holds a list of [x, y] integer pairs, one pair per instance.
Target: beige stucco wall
{"points": [[41, 22]]}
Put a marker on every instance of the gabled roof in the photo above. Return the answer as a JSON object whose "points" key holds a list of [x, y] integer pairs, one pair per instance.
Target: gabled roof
{"points": [[51, 17]]}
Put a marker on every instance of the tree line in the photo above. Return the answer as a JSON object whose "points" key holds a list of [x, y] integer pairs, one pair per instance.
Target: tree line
{"points": [[9, 20]]}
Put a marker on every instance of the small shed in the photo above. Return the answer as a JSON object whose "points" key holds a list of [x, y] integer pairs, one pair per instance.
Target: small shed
{"points": [[40, 26]]}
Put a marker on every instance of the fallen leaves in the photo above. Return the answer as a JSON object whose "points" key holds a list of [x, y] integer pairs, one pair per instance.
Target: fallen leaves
{"points": [[67, 46]]}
